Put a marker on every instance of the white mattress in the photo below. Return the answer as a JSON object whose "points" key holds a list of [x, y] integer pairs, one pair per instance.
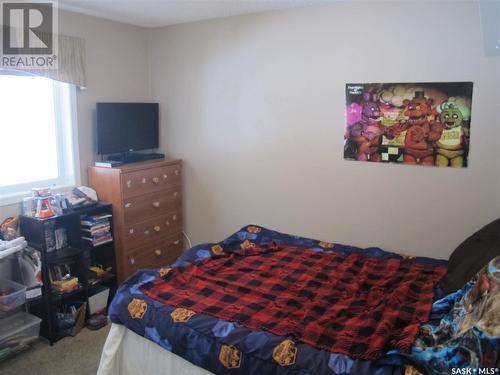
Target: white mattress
{"points": [[127, 353]]}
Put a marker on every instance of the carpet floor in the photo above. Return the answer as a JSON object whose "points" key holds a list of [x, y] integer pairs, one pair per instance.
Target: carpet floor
{"points": [[77, 355]]}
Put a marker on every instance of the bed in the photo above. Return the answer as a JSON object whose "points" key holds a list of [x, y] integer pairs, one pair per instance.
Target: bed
{"points": [[154, 333]]}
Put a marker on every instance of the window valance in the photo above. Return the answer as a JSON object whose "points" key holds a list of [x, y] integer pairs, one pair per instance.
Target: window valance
{"points": [[70, 55]]}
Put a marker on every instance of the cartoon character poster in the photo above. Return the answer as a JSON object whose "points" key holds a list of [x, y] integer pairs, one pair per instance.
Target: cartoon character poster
{"points": [[408, 123]]}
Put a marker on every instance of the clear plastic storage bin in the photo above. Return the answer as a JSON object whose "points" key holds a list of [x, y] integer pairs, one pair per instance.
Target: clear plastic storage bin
{"points": [[18, 330], [12, 294]]}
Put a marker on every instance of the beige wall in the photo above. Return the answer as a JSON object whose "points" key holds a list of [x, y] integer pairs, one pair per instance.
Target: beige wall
{"points": [[254, 105], [117, 70]]}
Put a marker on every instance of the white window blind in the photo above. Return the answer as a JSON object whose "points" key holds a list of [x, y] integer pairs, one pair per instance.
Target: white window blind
{"points": [[37, 140]]}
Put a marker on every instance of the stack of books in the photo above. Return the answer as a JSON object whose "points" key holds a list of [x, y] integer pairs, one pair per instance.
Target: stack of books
{"points": [[96, 229]]}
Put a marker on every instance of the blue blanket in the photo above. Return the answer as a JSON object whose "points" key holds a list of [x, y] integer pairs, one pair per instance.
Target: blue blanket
{"points": [[224, 347], [463, 334]]}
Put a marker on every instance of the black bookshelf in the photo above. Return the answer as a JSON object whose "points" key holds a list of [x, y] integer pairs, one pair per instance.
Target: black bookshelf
{"points": [[79, 254]]}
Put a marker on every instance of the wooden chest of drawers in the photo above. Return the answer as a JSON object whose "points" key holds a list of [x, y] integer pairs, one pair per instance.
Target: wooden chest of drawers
{"points": [[147, 210]]}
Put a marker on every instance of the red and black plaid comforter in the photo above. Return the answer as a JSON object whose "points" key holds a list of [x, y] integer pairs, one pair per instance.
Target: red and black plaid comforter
{"points": [[349, 304]]}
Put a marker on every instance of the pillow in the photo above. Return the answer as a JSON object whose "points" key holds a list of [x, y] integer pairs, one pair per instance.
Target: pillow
{"points": [[471, 255]]}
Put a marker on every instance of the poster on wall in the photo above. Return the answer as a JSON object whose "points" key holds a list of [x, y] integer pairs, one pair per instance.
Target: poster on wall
{"points": [[408, 123]]}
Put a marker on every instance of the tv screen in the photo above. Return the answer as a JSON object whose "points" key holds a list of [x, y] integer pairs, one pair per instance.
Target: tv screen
{"points": [[125, 127]]}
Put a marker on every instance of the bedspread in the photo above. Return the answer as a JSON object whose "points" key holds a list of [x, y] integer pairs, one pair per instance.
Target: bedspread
{"points": [[343, 303], [225, 347]]}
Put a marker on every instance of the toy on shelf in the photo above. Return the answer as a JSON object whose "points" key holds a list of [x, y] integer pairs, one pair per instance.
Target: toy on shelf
{"points": [[97, 272], [44, 208], [61, 279], [43, 204], [42, 197], [66, 285]]}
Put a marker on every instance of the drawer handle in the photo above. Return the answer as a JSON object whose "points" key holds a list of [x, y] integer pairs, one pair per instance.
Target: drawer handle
{"points": [[128, 205], [176, 194], [165, 176], [143, 180], [156, 204], [157, 228], [156, 180], [129, 183], [167, 222], [158, 252], [177, 242], [132, 260], [174, 217], [146, 232], [131, 230], [176, 172]]}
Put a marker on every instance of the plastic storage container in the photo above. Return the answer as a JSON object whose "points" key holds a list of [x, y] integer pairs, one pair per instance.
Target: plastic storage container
{"points": [[12, 295], [18, 330], [99, 300]]}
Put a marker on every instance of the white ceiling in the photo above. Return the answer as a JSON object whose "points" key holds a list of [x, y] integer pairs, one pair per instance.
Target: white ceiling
{"points": [[156, 13]]}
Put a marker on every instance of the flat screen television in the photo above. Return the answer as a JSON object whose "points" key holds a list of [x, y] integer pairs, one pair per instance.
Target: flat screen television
{"points": [[126, 127]]}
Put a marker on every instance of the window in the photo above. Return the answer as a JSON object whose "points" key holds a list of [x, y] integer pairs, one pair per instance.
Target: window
{"points": [[37, 141]]}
